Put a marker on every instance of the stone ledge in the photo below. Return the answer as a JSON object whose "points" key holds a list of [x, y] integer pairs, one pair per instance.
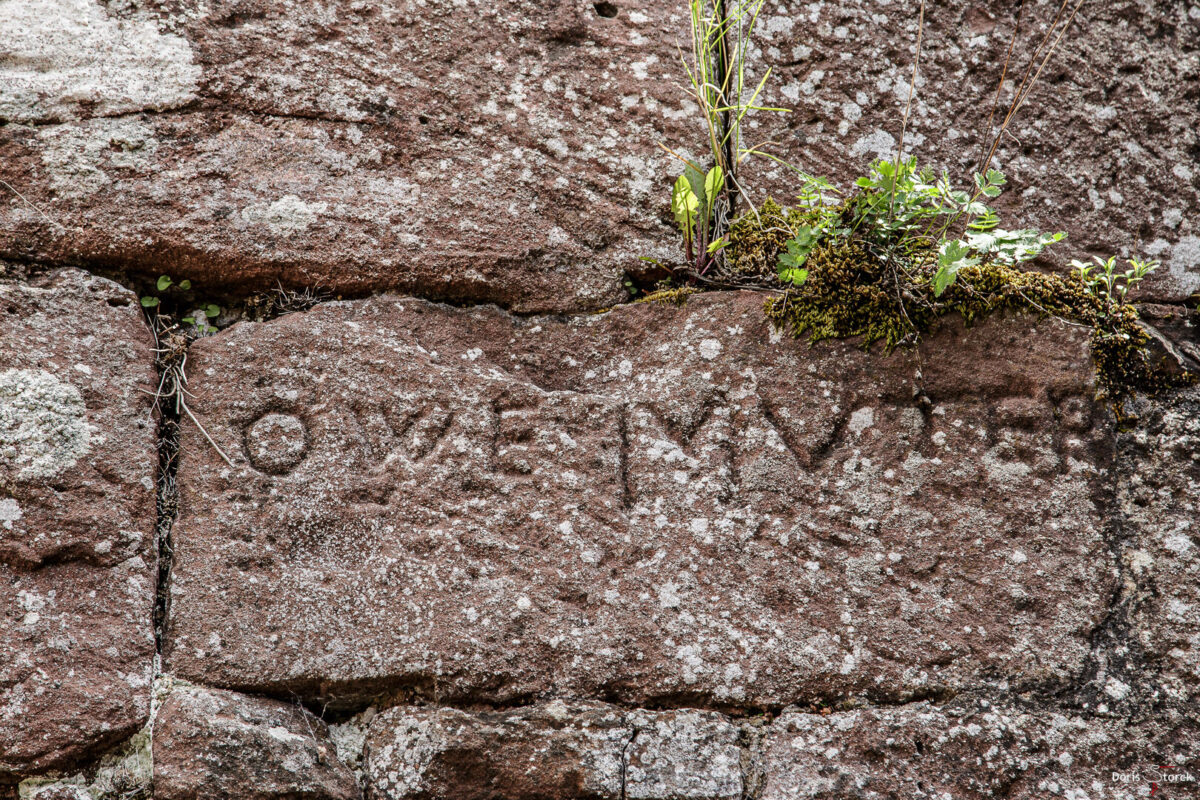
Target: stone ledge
{"points": [[655, 504]]}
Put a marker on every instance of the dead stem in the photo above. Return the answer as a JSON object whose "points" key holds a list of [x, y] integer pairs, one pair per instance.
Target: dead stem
{"points": [[170, 346], [987, 129], [1030, 78], [912, 89]]}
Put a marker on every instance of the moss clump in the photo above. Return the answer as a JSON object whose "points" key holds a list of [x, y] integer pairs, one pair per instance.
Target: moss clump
{"points": [[846, 295], [673, 296], [756, 239], [1124, 366], [852, 291]]}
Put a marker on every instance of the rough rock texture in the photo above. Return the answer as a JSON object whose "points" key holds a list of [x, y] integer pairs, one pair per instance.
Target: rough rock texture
{"points": [[921, 751], [69, 59], [504, 152], [556, 751], [551, 752], [124, 772], [653, 503], [1159, 494], [967, 749], [683, 754], [507, 152], [211, 744], [77, 460], [441, 511]]}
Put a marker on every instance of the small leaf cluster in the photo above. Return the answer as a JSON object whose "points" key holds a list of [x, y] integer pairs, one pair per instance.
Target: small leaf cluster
{"points": [[901, 208], [1104, 281], [916, 219], [693, 204], [822, 220], [166, 285]]}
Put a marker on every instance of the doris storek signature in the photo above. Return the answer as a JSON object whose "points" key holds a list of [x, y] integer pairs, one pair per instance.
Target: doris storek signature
{"points": [[1160, 778]]}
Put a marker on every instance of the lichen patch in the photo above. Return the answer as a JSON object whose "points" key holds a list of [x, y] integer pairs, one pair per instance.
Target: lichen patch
{"points": [[43, 425], [60, 57]]}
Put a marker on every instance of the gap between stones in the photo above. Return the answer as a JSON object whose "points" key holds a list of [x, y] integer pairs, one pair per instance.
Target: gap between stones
{"points": [[167, 508], [625, 761], [199, 105], [236, 296]]}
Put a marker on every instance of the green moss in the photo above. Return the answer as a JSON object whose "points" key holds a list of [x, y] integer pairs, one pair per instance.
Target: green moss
{"points": [[756, 239], [673, 296], [845, 295], [852, 292]]}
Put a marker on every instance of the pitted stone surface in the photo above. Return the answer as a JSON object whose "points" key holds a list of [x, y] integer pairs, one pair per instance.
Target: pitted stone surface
{"points": [[926, 752], [1159, 494], [689, 755], [651, 503], [214, 744], [43, 424], [507, 151], [63, 59], [77, 465], [503, 152], [967, 749], [555, 751]]}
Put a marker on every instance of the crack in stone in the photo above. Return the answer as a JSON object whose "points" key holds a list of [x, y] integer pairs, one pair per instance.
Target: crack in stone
{"points": [[624, 766], [50, 122], [167, 510], [627, 498], [202, 104]]}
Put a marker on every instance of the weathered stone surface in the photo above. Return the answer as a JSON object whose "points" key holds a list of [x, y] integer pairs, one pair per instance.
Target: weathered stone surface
{"points": [[683, 754], [77, 463], [214, 744], [556, 752], [653, 503], [922, 751], [553, 751], [124, 771], [507, 151], [68, 59], [1159, 495], [479, 151]]}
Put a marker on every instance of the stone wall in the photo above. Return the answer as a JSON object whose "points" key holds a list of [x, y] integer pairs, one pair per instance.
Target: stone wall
{"points": [[509, 547]]}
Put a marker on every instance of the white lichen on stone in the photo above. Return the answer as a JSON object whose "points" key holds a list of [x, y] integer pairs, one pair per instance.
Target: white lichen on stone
{"points": [[43, 425], [710, 349], [286, 216], [879, 143], [350, 739], [77, 156], [1184, 263], [10, 512], [58, 57], [861, 419], [125, 771]]}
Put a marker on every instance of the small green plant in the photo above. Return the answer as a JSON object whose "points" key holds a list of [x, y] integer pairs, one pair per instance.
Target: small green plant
{"points": [[163, 284], [694, 204], [1104, 281], [201, 320], [791, 263], [902, 250], [210, 311], [902, 210], [704, 201]]}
